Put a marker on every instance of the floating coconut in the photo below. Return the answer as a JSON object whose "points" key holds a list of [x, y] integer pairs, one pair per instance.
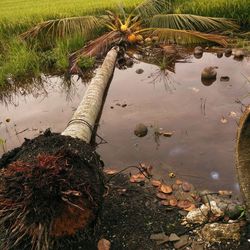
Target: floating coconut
{"points": [[228, 52], [219, 54]]}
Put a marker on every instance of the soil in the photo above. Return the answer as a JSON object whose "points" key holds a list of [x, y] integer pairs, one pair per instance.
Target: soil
{"points": [[130, 212]]}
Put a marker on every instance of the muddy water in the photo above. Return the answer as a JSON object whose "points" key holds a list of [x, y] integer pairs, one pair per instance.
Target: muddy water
{"points": [[201, 148]]}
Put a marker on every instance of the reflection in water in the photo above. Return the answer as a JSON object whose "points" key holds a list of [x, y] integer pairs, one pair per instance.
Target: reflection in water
{"points": [[200, 144], [207, 82]]}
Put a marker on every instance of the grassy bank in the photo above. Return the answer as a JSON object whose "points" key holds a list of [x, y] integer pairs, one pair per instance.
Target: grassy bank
{"points": [[16, 16]]}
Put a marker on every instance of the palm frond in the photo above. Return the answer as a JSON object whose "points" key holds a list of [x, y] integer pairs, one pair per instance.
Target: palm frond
{"points": [[191, 22], [149, 8], [97, 47], [64, 27], [187, 36]]}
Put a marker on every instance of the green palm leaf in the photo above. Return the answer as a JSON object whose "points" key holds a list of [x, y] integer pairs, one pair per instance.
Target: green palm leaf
{"points": [[64, 27], [187, 36], [149, 8], [191, 22]]}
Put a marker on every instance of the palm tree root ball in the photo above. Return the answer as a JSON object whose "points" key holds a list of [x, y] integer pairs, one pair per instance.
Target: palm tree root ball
{"points": [[51, 188]]}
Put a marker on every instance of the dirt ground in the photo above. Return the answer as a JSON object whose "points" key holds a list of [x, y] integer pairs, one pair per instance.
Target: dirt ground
{"points": [[131, 213]]}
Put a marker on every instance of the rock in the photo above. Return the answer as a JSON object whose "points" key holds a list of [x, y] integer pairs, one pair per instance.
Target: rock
{"points": [[224, 78], [239, 53], [198, 52], [173, 237], [139, 71], [137, 56], [170, 50], [209, 73], [140, 130], [182, 242], [216, 232], [219, 54], [234, 211], [160, 238], [228, 52], [198, 215], [129, 62]]}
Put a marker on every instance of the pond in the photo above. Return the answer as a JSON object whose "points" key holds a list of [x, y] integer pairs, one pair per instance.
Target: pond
{"points": [[203, 119]]}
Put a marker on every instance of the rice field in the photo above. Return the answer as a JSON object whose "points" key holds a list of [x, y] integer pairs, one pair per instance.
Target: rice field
{"points": [[28, 10]]}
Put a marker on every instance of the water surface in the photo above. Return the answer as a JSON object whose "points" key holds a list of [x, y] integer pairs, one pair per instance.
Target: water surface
{"points": [[203, 119]]}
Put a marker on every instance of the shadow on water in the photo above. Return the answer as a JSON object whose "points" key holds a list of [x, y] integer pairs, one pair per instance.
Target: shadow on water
{"points": [[167, 96]]}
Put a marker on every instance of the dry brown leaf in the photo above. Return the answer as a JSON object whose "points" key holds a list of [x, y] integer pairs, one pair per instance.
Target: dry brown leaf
{"points": [[165, 189], [103, 244], [109, 171], [178, 182], [186, 186], [161, 196], [225, 192], [136, 178], [173, 202], [167, 134], [223, 120], [184, 204], [156, 183], [192, 207]]}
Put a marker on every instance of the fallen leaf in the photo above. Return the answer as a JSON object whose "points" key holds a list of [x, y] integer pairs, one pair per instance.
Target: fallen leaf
{"points": [[173, 237], [178, 182], [232, 114], [103, 244], [160, 238], [225, 192], [155, 183], [167, 134], [165, 203], [182, 242], [223, 120], [173, 202], [192, 207], [109, 171], [165, 189], [161, 196], [186, 186], [184, 204], [195, 90], [136, 178]]}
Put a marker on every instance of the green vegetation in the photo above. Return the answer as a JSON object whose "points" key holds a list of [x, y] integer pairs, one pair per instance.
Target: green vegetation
{"points": [[18, 58], [236, 9]]}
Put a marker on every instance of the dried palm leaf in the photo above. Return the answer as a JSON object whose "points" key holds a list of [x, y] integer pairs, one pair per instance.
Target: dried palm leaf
{"points": [[97, 47], [191, 22]]}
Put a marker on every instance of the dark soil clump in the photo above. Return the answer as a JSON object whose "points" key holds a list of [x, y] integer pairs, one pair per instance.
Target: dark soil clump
{"points": [[51, 187]]}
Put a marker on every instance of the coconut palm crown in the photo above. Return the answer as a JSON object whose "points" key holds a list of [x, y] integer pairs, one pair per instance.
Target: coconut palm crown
{"points": [[151, 18]]}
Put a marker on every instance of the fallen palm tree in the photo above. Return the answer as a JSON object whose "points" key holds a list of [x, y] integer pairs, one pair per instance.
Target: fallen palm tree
{"points": [[52, 186], [243, 158]]}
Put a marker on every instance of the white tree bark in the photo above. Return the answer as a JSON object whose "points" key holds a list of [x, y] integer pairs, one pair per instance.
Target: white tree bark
{"points": [[84, 118], [243, 158]]}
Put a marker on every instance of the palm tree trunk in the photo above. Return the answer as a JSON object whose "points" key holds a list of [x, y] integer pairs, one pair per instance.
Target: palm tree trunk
{"points": [[243, 158], [84, 118]]}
